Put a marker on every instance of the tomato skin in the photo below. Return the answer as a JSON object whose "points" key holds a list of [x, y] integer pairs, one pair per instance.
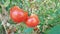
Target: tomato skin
{"points": [[15, 8], [32, 21], [17, 14], [26, 16]]}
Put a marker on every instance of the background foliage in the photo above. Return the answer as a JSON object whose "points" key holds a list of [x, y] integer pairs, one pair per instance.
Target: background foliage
{"points": [[48, 12]]}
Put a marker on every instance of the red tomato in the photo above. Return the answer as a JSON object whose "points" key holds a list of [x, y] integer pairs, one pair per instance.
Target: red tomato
{"points": [[17, 14], [32, 21], [26, 15]]}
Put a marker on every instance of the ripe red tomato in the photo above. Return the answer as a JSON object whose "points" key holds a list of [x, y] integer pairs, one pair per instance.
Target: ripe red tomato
{"points": [[17, 14], [32, 21], [26, 15]]}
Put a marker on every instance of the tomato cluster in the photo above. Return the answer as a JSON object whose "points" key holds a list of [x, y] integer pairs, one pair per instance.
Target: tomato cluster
{"points": [[18, 15]]}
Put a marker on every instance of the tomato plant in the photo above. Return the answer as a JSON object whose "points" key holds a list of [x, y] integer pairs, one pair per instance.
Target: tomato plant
{"points": [[32, 21]]}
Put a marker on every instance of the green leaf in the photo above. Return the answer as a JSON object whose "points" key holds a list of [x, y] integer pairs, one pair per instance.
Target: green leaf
{"points": [[28, 30], [7, 3], [54, 30], [58, 11], [2, 1]]}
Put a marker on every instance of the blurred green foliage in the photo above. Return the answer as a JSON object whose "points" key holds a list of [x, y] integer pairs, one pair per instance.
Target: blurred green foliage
{"points": [[48, 12], [54, 30]]}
